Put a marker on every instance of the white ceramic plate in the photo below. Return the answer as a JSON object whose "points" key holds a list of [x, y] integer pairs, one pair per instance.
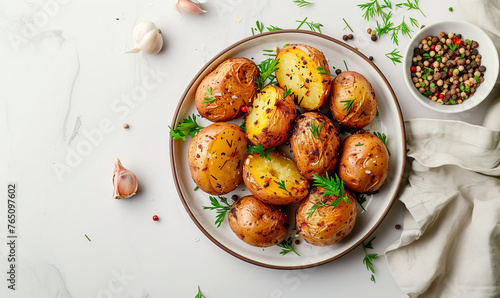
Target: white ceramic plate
{"points": [[389, 122], [489, 59]]}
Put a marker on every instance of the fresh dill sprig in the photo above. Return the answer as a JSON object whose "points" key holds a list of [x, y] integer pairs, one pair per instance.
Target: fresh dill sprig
{"points": [[347, 25], [208, 96], [266, 70], [383, 137], [260, 150], [316, 131], [348, 104], [414, 22], [273, 28], [369, 258], [199, 294], [323, 71], [287, 246], [287, 92], [302, 3], [315, 27], [281, 185], [411, 5], [242, 126], [187, 127], [386, 26], [221, 209], [394, 56], [333, 186], [372, 9]]}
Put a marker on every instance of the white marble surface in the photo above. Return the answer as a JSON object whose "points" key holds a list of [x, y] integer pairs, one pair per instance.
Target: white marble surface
{"points": [[66, 88]]}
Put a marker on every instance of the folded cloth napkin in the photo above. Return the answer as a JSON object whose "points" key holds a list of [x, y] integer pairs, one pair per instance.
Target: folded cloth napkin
{"points": [[450, 245]]}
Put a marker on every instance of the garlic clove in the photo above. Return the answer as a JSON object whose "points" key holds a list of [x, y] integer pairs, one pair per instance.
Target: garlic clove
{"points": [[147, 38], [190, 7], [152, 42], [125, 182]]}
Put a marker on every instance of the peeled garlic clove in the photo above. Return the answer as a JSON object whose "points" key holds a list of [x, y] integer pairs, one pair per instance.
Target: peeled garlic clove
{"points": [[190, 7], [147, 38], [125, 183]]}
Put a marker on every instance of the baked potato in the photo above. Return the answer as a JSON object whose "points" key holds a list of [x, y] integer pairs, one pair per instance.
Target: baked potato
{"points": [[327, 225], [352, 100], [270, 120], [258, 223], [221, 94], [315, 144], [275, 180], [304, 70], [215, 155], [364, 162]]}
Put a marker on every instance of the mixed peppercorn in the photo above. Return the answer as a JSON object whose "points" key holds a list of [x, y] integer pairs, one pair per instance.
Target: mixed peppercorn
{"points": [[447, 69]]}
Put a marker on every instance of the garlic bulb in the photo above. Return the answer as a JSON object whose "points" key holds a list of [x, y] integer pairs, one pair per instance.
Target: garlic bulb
{"points": [[189, 6], [147, 38], [125, 183]]}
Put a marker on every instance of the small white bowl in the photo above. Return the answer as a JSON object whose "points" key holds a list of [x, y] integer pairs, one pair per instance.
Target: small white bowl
{"points": [[486, 49]]}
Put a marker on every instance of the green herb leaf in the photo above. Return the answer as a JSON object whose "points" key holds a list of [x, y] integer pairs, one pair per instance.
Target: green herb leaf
{"points": [[196, 188], [476, 78], [360, 144], [412, 5], [316, 131], [348, 104], [450, 9], [273, 28], [281, 185], [242, 126], [287, 92], [333, 186], [383, 137], [260, 150], [315, 27], [371, 9], [345, 64], [260, 26], [269, 53], [266, 70], [187, 127], [199, 294], [361, 199], [414, 22], [88, 238], [347, 25], [302, 3], [369, 258], [395, 56], [220, 208], [287, 246], [452, 46], [208, 96], [323, 71]]}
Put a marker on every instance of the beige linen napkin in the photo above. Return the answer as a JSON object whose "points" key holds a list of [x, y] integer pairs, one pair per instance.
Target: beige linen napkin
{"points": [[450, 244]]}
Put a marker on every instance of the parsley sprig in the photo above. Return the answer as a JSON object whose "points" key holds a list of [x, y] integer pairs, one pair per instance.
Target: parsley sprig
{"points": [[222, 208], [302, 3], [315, 27], [316, 131], [287, 246], [333, 186], [348, 104], [208, 96], [187, 127], [383, 137], [369, 258], [260, 150], [266, 70]]}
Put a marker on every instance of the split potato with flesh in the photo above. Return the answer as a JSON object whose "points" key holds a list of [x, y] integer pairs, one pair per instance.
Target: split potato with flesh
{"points": [[221, 94], [258, 223], [352, 100], [364, 162], [270, 120], [305, 71], [215, 155], [315, 144], [327, 225], [274, 180]]}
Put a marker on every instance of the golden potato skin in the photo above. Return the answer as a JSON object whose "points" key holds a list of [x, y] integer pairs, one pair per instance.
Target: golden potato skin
{"points": [[232, 84], [347, 86], [270, 120], [261, 176], [215, 155], [364, 162], [298, 71], [258, 223], [315, 154], [326, 226]]}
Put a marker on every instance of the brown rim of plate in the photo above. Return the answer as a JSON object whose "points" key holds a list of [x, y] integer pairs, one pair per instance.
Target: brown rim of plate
{"points": [[175, 121]]}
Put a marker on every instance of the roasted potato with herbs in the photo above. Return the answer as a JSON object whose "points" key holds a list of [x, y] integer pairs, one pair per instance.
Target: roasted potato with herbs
{"points": [[304, 70], [216, 154], [327, 225], [221, 94], [270, 120], [274, 179], [352, 100], [315, 144], [258, 223], [364, 162]]}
